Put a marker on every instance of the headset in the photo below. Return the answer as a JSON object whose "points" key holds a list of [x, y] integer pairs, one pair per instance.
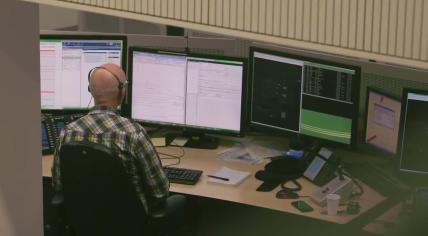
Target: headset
{"points": [[120, 85]]}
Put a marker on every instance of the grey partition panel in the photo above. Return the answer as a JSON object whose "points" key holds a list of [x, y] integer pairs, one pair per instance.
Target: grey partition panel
{"points": [[213, 46], [170, 43]]}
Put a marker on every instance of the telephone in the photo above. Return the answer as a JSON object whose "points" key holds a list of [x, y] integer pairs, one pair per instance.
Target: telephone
{"points": [[59, 123], [52, 125], [48, 135], [322, 172], [322, 168]]}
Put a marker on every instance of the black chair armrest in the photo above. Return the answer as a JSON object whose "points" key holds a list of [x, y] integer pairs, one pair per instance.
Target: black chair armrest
{"points": [[171, 205], [57, 199], [59, 223]]}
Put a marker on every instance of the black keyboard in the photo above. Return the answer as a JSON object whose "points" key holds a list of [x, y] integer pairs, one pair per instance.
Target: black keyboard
{"points": [[182, 175]]}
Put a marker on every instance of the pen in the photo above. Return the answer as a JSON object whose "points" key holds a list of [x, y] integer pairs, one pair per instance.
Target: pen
{"points": [[371, 138], [218, 177]]}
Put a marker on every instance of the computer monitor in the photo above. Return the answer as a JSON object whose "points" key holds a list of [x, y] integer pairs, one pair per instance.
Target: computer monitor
{"points": [[383, 113], [413, 146], [302, 95], [65, 61], [198, 93]]}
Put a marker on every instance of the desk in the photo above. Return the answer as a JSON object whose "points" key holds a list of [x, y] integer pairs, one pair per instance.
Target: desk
{"points": [[245, 193]]}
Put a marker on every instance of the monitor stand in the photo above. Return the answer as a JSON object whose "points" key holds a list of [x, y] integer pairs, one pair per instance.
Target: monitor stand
{"points": [[195, 140], [305, 143]]}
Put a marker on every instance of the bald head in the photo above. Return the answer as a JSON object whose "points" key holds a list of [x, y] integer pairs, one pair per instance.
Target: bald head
{"points": [[104, 85]]}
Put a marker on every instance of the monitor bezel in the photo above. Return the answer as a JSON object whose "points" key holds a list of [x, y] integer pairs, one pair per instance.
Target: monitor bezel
{"points": [[355, 97], [183, 127], [405, 173], [124, 56], [372, 148]]}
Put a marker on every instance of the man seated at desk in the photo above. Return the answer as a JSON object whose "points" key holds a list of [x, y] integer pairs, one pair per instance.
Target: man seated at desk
{"points": [[102, 124]]}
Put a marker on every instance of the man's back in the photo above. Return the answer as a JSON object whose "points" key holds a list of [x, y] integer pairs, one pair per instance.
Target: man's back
{"points": [[102, 125]]}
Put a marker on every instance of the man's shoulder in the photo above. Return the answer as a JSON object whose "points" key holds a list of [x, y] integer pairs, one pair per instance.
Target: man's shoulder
{"points": [[127, 125], [76, 125], [106, 122], [106, 125]]}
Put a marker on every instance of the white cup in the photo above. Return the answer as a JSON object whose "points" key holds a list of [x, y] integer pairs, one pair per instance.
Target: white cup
{"points": [[332, 203]]}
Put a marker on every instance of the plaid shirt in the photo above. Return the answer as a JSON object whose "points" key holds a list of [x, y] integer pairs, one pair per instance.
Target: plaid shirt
{"points": [[141, 161]]}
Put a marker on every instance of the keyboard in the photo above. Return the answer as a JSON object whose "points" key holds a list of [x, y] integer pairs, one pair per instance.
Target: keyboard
{"points": [[182, 175]]}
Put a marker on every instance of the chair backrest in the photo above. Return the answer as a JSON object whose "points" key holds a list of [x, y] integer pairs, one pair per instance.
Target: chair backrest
{"points": [[99, 198]]}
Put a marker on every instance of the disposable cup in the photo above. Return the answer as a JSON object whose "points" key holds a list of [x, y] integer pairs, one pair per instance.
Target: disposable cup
{"points": [[332, 203]]}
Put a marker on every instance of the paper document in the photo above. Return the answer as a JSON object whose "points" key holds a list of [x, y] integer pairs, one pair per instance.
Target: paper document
{"points": [[247, 153], [262, 151], [238, 153], [234, 177], [179, 141], [159, 142], [384, 116]]}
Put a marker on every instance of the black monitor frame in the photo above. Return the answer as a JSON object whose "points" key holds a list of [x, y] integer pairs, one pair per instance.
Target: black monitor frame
{"points": [[127, 111], [413, 177], [124, 57], [355, 97], [371, 148]]}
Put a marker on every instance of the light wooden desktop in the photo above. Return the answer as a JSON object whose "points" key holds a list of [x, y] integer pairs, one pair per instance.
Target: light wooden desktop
{"points": [[245, 193]]}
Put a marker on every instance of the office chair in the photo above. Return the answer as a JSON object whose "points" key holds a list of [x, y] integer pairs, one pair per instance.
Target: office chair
{"points": [[98, 198]]}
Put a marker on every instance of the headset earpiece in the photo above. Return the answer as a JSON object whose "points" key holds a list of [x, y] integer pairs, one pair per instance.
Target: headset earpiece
{"points": [[89, 77]]}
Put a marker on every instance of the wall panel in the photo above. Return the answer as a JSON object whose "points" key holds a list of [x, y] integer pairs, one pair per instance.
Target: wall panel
{"points": [[393, 31]]}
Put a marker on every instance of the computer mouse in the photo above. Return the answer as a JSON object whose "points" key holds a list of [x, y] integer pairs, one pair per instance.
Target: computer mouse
{"points": [[287, 194]]}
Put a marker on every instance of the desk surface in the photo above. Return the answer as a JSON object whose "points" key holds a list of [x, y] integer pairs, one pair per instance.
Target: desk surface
{"points": [[245, 193]]}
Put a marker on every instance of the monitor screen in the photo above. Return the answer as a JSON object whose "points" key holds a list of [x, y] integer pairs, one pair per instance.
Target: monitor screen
{"points": [[315, 98], [65, 61], [382, 121], [414, 132], [192, 91]]}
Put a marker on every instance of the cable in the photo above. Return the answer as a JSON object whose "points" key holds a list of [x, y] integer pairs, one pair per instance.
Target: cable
{"points": [[294, 181], [89, 103], [173, 164], [170, 156]]}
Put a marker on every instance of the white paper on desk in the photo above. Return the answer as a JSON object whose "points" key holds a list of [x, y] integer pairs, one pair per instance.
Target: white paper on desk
{"points": [[239, 153], [179, 141], [262, 151], [248, 153], [235, 176], [158, 142]]}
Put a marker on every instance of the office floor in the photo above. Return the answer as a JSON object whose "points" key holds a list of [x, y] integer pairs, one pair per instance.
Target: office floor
{"points": [[214, 217]]}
